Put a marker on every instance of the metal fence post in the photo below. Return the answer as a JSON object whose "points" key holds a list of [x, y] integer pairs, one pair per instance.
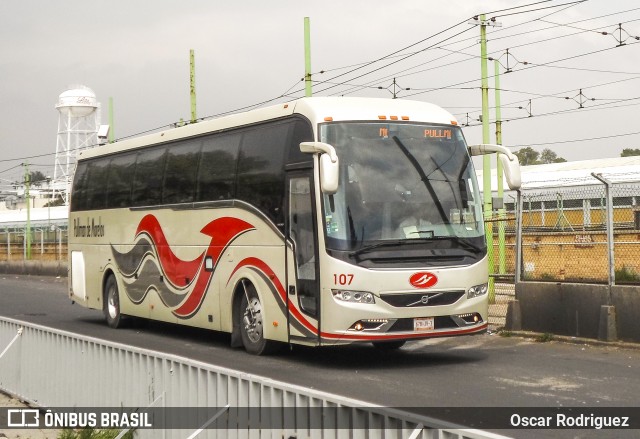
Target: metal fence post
{"points": [[609, 205], [59, 244], [519, 211]]}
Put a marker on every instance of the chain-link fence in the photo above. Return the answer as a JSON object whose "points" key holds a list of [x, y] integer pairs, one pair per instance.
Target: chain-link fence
{"points": [[565, 237], [501, 237], [588, 233], [47, 243]]}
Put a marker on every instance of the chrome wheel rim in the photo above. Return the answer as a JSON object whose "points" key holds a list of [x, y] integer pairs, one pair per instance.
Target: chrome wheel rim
{"points": [[112, 305], [253, 324]]}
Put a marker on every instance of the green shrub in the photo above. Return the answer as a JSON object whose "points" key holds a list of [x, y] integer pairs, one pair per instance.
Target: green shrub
{"points": [[627, 274]]}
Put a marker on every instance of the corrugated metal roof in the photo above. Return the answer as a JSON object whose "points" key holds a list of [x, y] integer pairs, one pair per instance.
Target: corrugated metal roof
{"points": [[575, 173]]}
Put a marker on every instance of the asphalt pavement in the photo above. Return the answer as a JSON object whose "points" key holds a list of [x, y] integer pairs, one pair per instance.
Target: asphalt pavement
{"points": [[480, 371]]}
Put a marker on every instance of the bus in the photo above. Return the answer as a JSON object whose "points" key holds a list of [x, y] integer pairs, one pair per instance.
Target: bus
{"points": [[322, 221]]}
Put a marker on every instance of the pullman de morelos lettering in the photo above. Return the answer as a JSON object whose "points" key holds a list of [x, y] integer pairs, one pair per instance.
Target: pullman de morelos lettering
{"points": [[89, 230]]}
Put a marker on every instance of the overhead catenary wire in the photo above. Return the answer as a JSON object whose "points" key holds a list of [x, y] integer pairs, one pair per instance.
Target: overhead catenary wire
{"points": [[441, 47], [538, 9], [426, 39], [399, 75], [588, 139], [558, 94], [472, 45], [431, 47], [290, 93], [603, 106]]}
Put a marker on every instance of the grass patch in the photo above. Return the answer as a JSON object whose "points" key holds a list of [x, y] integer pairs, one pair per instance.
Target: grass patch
{"points": [[544, 338], [91, 433]]}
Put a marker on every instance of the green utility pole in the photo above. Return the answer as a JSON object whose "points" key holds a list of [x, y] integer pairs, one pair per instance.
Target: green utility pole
{"points": [[192, 63], [111, 136], [486, 159], [307, 57], [27, 197], [499, 171]]}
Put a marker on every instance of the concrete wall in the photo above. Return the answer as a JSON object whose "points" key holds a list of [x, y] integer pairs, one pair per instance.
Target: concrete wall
{"points": [[575, 309], [36, 268], [627, 303]]}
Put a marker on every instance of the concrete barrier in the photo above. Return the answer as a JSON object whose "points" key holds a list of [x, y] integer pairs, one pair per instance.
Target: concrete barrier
{"points": [[36, 268], [576, 310], [626, 300]]}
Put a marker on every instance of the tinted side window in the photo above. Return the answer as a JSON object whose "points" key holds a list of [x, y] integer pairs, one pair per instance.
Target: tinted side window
{"points": [[302, 132], [180, 175], [121, 171], [147, 183], [217, 171], [96, 183], [261, 168], [79, 191]]}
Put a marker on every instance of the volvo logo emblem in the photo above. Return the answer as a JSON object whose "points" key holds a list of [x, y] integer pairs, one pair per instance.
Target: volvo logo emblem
{"points": [[424, 300]]}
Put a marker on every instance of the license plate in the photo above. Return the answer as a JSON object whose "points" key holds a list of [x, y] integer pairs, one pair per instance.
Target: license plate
{"points": [[423, 324]]}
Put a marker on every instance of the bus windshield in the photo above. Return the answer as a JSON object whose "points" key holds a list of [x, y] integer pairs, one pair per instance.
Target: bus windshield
{"points": [[402, 183]]}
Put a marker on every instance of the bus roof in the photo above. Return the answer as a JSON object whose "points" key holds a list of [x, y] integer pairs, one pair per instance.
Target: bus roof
{"points": [[316, 109]]}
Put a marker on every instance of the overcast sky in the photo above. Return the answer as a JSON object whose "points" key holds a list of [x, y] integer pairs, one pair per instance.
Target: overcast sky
{"points": [[252, 51]]}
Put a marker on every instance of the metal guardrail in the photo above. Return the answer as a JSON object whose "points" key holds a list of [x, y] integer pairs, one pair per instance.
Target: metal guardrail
{"points": [[51, 368]]}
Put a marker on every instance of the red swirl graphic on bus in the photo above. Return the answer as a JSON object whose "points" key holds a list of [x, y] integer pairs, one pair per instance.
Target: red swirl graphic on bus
{"points": [[423, 279], [177, 271], [185, 282]]}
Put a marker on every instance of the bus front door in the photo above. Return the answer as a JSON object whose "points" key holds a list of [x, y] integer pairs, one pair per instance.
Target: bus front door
{"points": [[302, 261]]}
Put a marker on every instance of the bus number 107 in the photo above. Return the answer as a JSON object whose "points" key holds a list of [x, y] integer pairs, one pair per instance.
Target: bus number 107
{"points": [[342, 279]]}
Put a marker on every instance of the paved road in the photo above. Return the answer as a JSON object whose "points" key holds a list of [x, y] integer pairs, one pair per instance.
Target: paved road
{"points": [[486, 370]]}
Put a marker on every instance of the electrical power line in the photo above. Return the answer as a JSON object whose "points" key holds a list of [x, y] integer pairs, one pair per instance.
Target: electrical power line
{"points": [[398, 54], [603, 106], [559, 95], [577, 140], [423, 40]]}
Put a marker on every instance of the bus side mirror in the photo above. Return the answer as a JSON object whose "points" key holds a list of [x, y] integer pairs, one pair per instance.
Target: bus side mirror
{"points": [[511, 171], [329, 165], [509, 161]]}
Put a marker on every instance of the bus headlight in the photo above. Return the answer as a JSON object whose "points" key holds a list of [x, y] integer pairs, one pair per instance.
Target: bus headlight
{"points": [[353, 296], [478, 290]]}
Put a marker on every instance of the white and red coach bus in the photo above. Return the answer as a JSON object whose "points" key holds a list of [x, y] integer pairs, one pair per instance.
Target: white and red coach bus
{"points": [[321, 221]]}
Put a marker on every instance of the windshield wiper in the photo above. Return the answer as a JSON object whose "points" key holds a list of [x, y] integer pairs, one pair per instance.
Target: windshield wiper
{"points": [[389, 243], [463, 242]]}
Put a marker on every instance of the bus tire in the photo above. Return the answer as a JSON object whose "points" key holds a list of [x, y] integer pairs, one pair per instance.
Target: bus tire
{"points": [[389, 345], [252, 322], [111, 303]]}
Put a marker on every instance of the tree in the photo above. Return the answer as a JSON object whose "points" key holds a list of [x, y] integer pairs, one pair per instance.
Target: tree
{"points": [[527, 156], [57, 202], [37, 178], [629, 152], [549, 156]]}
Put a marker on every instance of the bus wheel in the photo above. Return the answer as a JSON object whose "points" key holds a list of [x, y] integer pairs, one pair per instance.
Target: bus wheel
{"points": [[389, 345], [252, 322], [111, 303]]}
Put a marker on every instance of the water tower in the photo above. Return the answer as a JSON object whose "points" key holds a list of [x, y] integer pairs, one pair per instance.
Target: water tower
{"points": [[78, 123]]}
